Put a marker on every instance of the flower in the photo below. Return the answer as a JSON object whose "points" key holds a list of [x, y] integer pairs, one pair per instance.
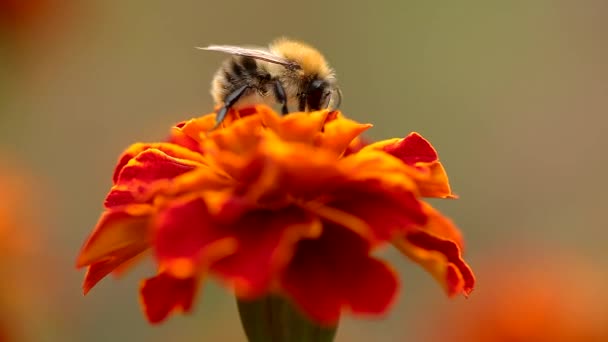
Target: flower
{"points": [[292, 205], [538, 294], [19, 243], [16, 15]]}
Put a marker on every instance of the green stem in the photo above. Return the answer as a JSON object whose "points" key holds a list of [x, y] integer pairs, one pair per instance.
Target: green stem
{"points": [[275, 319]]}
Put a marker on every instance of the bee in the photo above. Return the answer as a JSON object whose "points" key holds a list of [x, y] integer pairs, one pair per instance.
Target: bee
{"points": [[289, 74]]}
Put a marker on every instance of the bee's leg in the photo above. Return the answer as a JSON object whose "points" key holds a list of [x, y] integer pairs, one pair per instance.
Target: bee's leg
{"points": [[229, 101], [279, 93]]}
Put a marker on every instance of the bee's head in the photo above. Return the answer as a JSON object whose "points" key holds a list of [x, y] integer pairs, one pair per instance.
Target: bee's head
{"points": [[320, 94]]}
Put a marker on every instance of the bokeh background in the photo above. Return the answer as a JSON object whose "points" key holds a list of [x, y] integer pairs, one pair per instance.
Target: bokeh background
{"points": [[514, 95]]}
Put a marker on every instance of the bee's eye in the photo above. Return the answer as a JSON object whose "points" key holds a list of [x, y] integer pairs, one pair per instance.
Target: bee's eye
{"points": [[317, 95]]}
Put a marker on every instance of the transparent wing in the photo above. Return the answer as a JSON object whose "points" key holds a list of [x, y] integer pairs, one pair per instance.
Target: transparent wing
{"points": [[257, 53]]}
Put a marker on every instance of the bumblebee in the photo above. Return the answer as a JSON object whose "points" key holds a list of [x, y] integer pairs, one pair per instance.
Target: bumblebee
{"points": [[289, 74]]}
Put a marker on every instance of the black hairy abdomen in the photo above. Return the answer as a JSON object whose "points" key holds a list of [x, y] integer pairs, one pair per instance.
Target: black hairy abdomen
{"points": [[240, 71]]}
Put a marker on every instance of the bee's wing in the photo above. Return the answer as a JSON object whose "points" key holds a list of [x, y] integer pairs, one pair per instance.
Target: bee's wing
{"points": [[257, 53]]}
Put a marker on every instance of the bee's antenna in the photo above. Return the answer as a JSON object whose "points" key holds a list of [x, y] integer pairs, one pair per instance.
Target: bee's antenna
{"points": [[338, 93]]}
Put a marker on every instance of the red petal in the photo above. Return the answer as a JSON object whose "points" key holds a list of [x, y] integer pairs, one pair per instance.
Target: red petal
{"points": [[437, 246], [163, 294], [267, 240], [459, 276], [187, 237], [146, 168], [179, 138], [116, 231], [412, 149], [388, 211], [336, 272], [154, 164], [127, 155], [167, 148], [98, 270], [427, 171], [119, 196], [118, 237]]}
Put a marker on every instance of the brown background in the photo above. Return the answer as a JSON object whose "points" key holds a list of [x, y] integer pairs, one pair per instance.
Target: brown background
{"points": [[513, 96]]}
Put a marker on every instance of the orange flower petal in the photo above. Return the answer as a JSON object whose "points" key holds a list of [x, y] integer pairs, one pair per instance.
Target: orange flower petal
{"points": [[338, 134], [441, 226], [179, 138], [305, 176], [188, 240], [119, 237], [303, 170], [116, 231], [233, 149], [377, 165], [169, 149], [98, 270], [203, 178], [163, 294], [126, 266], [336, 273], [437, 248], [356, 145], [147, 167], [436, 184], [292, 127], [267, 242], [417, 152], [153, 164], [188, 133], [242, 136]]}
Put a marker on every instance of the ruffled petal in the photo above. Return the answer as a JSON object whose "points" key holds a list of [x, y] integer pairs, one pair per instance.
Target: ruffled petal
{"points": [[146, 168], [99, 270], [356, 145], [233, 149], [302, 127], [436, 183], [338, 134], [188, 239], [163, 294], [336, 273], [417, 152], [387, 211], [115, 231], [169, 149], [267, 242], [118, 237], [437, 248], [411, 150], [189, 133]]}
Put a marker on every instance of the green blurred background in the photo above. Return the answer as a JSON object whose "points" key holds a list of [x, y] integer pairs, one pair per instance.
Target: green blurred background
{"points": [[514, 95]]}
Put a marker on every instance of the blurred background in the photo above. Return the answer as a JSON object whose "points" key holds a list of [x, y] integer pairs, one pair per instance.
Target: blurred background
{"points": [[514, 96]]}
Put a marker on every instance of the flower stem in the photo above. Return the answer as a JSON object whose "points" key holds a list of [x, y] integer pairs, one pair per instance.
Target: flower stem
{"points": [[275, 319]]}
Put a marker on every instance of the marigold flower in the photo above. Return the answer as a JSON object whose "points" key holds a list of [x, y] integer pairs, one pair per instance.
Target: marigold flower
{"points": [[292, 205], [19, 233], [527, 298], [17, 15]]}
